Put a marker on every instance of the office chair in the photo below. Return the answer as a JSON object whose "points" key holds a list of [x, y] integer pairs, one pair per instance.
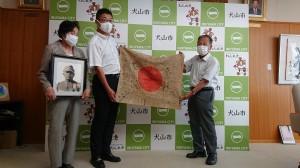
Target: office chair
{"points": [[295, 117]]}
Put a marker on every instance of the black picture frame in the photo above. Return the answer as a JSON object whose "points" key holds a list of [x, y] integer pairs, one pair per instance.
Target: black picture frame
{"points": [[59, 65]]}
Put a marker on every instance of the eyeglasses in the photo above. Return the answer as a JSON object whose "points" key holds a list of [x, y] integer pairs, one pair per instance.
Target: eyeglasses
{"points": [[106, 20]]}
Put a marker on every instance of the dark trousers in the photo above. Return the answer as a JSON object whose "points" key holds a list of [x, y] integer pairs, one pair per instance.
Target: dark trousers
{"points": [[103, 124], [200, 107]]}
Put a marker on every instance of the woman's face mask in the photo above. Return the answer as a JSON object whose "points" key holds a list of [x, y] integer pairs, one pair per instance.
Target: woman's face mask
{"points": [[71, 40]]}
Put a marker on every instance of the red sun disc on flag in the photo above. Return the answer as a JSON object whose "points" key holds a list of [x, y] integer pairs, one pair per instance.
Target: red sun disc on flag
{"points": [[149, 78]]}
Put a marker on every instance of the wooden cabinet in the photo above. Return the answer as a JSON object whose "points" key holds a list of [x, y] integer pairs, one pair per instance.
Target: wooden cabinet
{"points": [[24, 34], [12, 121]]}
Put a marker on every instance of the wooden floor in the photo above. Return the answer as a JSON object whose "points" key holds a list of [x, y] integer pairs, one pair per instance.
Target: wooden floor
{"points": [[261, 155]]}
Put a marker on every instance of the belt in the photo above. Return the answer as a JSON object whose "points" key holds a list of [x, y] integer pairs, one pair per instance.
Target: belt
{"points": [[204, 89], [112, 75]]}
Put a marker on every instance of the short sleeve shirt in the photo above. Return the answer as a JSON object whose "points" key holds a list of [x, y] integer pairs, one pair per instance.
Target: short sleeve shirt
{"points": [[102, 52], [205, 68]]}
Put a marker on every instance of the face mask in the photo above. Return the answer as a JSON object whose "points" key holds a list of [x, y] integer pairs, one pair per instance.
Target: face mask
{"points": [[71, 40], [106, 27], [202, 50]]}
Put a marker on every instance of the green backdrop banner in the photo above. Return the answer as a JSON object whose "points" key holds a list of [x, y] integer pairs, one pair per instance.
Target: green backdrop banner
{"points": [[163, 28]]}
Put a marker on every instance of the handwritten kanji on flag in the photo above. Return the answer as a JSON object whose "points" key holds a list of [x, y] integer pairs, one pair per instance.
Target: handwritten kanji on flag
{"points": [[150, 81]]}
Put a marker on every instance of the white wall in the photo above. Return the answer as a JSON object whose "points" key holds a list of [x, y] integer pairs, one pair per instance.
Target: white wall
{"points": [[283, 11], [277, 10]]}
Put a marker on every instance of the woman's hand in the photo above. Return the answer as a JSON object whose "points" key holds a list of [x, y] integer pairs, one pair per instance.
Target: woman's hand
{"points": [[50, 94]]}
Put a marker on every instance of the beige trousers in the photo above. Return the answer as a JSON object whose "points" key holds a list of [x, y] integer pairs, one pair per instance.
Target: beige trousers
{"points": [[62, 149]]}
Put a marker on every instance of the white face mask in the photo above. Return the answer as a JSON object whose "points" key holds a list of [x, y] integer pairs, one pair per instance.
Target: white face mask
{"points": [[202, 50], [106, 27], [71, 40]]}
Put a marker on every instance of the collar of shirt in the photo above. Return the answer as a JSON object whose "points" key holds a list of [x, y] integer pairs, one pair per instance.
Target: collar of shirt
{"points": [[102, 36], [205, 58]]}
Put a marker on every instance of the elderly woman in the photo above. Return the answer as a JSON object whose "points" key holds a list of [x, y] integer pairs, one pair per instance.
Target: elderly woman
{"points": [[62, 108]]}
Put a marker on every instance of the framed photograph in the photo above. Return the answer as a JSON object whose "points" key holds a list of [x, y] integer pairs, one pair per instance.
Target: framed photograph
{"points": [[257, 9], [289, 59], [67, 75], [4, 93], [286, 133], [31, 4]]}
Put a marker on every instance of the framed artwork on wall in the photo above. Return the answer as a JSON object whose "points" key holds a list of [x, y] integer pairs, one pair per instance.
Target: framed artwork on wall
{"points": [[67, 75], [289, 59], [31, 4], [257, 9]]}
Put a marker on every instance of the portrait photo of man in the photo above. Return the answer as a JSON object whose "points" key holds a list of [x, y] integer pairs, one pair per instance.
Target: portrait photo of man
{"points": [[69, 84], [255, 7]]}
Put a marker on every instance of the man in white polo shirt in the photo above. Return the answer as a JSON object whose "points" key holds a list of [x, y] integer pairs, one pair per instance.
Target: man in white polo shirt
{"points": [[104, 62]]}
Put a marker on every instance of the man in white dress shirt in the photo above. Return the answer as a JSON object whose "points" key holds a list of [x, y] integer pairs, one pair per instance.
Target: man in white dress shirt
{"points": [[104, 61], [204, 70]]}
